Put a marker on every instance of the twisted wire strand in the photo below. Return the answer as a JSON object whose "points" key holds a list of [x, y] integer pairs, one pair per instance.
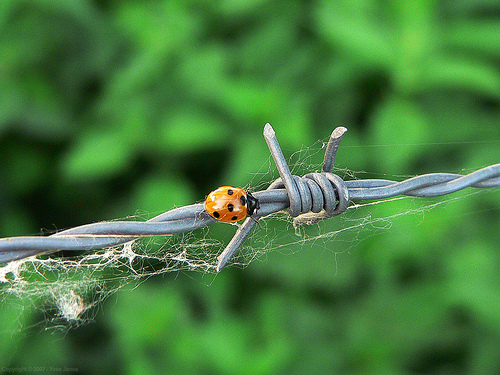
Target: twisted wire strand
{"points": [[310, 198]]}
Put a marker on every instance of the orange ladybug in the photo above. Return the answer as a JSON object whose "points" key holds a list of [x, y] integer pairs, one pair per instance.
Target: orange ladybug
{"points": [[230, 204]]}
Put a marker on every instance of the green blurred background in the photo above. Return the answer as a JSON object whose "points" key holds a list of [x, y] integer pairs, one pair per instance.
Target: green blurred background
{"points": [[109, 108]]}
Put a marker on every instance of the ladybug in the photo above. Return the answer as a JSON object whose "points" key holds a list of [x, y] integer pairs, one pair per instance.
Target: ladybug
{"points": [[230, 204]]}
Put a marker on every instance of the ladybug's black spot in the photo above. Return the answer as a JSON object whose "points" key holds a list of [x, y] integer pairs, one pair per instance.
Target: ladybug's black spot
{"points": [[216, 214], [243, 200], [234, 218], [230, 207], [230, 192]]}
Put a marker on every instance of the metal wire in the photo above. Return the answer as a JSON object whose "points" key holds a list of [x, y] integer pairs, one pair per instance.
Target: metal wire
{"points": [[310, 198]]}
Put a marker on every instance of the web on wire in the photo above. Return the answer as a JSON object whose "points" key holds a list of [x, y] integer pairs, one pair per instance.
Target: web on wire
{"points": [[69, 287]]}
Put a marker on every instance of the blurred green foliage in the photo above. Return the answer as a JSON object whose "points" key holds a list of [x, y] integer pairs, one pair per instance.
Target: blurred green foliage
{"points": [[108, 108]]}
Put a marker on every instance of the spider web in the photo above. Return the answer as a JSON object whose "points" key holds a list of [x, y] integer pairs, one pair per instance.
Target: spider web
{"points": [[68, 289]]}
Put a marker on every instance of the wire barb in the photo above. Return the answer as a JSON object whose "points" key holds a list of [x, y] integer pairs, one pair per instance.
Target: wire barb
{"points": [[311, 193], [309, 199]]}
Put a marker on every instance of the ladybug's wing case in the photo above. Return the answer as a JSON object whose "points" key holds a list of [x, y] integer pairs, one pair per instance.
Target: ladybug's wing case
{"points": [[224, 204], [221, 204]]}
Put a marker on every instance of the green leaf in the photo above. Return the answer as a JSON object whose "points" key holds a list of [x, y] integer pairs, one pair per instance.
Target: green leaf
{"points": [[191, 128], [475, 36], [97, 154], [457, 73], [398, 127]]}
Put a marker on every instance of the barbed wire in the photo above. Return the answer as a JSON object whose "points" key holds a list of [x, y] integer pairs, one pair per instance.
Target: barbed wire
{"points": [[309, 199]]}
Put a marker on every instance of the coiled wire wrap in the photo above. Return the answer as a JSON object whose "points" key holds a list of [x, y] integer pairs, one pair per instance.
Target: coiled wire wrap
{"points": [[317, 193], [313, 197]]}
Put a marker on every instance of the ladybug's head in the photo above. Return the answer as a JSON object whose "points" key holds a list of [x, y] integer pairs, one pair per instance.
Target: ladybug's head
{"points": [[252, 204]]}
